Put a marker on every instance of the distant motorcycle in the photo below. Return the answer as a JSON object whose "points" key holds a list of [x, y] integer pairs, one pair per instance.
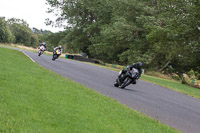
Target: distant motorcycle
{"points": [[41, 50], [132, 76], [56, 54]]}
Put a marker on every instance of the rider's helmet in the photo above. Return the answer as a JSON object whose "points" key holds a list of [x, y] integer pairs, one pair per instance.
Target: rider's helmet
{"points": [[44, 43], [139, 65], [59, 46]]}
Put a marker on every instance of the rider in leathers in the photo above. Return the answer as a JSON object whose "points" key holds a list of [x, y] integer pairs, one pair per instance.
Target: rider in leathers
{"points": [[137, 66], [42, 44], [59, 47]]}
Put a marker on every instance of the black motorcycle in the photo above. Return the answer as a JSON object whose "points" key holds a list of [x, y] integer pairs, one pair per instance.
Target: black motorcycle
{"points": [[56, 54], [131, 78]]}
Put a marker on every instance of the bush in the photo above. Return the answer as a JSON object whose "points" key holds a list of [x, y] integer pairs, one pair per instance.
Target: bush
{"points": [[190, 79], [175, 77]]}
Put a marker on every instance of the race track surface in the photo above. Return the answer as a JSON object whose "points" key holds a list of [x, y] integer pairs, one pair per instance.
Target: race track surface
{"points": [[171, 108]]}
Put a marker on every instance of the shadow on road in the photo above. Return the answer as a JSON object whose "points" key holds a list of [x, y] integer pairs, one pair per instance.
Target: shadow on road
{"points": [[127, 89]]}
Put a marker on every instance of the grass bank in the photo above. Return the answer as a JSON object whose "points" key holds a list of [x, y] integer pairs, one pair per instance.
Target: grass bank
{"points": [[33, 99]]}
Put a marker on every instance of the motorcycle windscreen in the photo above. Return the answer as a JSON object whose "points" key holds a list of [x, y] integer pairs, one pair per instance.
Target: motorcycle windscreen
{"points": [[134, 73]]}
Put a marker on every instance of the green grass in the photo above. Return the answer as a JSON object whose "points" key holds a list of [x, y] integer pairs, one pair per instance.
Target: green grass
{"points": [[36, 100], [174, 85]]}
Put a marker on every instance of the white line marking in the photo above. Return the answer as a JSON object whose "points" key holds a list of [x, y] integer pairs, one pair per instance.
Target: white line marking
{"points": [[28, 56]]}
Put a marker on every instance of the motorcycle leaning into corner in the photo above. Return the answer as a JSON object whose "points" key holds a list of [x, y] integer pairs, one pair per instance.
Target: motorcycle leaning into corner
{"points": [[131, 77], [56, 54], [41, 50]]}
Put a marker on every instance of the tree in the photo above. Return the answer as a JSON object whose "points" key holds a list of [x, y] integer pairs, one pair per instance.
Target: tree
{"points": [[34, 40], [5, 33], [175, 35], [162, 34], [84, 19], [23, 34]]}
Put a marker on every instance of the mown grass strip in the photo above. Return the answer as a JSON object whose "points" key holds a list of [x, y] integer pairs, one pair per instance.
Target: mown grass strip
{"points": [[174, 85], [33, 99]]}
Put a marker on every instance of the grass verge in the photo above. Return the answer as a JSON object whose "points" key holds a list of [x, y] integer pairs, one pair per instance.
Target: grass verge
{"points": [[174, 85], [33, 99]]}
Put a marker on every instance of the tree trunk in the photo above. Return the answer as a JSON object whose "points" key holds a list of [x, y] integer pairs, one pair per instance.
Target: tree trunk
{"points": [[161, 69]]}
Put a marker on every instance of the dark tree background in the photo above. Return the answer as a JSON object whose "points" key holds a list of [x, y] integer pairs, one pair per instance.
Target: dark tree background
{"points": [[163, 34]]}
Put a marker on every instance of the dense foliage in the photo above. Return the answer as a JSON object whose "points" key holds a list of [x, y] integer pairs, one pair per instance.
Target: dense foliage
{"points": [[5, 33], [17, 31], [164, 34]]}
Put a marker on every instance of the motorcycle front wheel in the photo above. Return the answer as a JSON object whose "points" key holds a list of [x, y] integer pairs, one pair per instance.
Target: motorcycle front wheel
{"points": [[116, 84], [54, 57], [126, 82]]}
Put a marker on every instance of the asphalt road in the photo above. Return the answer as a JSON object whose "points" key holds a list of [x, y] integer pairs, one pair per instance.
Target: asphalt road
{"points": [[176, 110]]}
